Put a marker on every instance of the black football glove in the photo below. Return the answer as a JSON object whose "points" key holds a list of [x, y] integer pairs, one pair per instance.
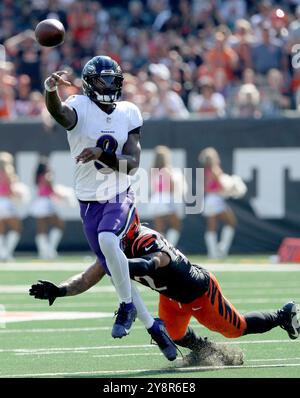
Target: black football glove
{"points": [[46, 290]]}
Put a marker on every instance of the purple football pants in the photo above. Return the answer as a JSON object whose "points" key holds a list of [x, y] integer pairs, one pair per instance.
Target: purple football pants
{"points": [[115, 215]]}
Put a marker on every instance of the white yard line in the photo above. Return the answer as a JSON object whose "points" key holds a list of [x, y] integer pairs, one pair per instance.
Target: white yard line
{"points": [[147, 353], [24, 289], [38, 266], [228, 267], [253, 267], [137, 346], [68, 330], [264, 300], [163, 370], [20, 354], [71, 330], [70, 349], [62, 304], [30, 316], [261, 292], [135, 354], [257, 285], [259, 300], [272, 359]]}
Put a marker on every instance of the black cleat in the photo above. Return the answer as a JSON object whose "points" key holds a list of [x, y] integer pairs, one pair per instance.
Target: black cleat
{"points": [[289, 319]]}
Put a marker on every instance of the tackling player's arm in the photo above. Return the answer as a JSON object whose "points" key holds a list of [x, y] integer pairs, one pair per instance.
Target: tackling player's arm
{"points": [[64, 114], [126, 162], [84, 281], [146, 265], [75, 285], [80, 283]]}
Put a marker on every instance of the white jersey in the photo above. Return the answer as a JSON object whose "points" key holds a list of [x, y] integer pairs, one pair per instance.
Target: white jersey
{"points": [[97, 128]]}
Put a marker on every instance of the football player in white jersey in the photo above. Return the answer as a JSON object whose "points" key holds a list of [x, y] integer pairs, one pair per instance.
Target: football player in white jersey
{"points": [[104, 139]]}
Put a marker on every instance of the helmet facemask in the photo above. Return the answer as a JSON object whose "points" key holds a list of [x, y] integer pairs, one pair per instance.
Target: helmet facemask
{"points": [[104, 88]]}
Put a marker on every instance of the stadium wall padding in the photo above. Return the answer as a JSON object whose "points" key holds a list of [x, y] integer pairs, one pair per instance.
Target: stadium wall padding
{"points": [[266, 152]]}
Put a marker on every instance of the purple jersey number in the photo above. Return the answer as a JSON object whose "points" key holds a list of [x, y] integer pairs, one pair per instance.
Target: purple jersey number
{"points": [[108, 144]]}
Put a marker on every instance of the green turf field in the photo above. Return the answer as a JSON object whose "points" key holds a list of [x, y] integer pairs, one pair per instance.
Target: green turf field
{"points": [[76, 341]]}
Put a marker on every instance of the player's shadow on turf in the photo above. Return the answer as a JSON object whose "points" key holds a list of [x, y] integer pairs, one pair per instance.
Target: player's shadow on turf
{"points": [[151, 372]]}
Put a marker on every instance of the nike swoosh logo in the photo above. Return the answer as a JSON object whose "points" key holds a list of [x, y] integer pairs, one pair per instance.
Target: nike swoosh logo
{"points": [[148, 248], [197, 308]]}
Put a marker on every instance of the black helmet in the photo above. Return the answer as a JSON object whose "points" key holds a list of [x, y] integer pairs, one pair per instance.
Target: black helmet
{"points": [[102, 79]]}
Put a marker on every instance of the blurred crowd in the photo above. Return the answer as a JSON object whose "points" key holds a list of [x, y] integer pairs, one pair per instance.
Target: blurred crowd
{"points": [[181, 58]]}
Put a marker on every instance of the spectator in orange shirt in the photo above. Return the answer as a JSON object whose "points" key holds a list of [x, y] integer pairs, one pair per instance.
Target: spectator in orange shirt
{"points": [[222, 56]]}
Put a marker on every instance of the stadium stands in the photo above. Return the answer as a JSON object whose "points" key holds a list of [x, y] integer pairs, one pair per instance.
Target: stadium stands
{"points": [[244, 46]]}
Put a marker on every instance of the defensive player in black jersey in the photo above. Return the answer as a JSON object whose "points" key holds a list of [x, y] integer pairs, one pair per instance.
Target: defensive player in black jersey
{"points": [[186, 290]]}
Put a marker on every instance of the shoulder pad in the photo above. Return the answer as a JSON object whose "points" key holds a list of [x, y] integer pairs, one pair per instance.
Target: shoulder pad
{"points": [[144, 244]]}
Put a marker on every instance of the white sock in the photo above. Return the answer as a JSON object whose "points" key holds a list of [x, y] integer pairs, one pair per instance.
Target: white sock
{"points": [[55, 236], [142, 313], [12, 240], [173, 236], [117, 264], [3, 251], [210, 238], [41, 241], [227, 235]]}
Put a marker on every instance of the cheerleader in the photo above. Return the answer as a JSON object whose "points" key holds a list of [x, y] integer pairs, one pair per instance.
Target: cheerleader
{"points": [[165, 186], [10, 222], [48, 225], [215, 207]]}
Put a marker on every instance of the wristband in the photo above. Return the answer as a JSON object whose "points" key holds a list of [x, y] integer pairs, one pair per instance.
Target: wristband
{"points": [[62, 291], [48, 88]]}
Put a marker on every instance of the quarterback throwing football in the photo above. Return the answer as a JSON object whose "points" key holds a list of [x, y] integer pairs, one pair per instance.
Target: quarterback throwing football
{"points": [[104, 138]]}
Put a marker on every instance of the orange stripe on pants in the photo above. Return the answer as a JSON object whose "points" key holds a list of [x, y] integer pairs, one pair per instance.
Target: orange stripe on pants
{"points": [[211, 309]]}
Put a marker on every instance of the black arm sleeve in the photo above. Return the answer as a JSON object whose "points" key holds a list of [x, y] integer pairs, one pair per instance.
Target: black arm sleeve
{"points": [[76, 121], [141, 266], [135, 131]]}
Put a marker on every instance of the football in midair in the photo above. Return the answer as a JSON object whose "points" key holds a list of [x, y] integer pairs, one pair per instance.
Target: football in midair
{"points": [[50, 33]]}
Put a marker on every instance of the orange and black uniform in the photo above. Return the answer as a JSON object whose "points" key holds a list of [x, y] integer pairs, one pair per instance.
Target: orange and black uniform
{"points": [[186, 290]]}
